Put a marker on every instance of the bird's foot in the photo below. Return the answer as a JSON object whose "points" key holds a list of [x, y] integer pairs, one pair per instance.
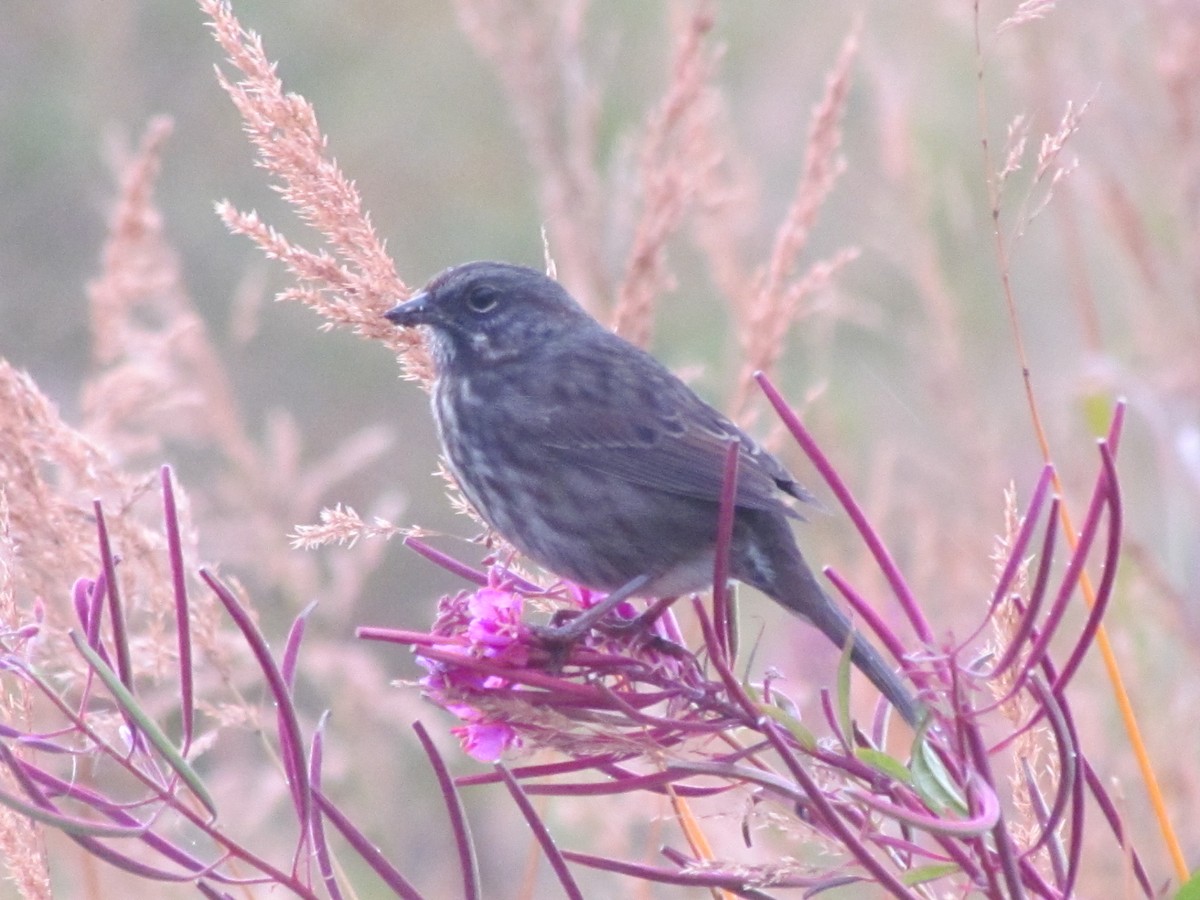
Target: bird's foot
{"points": [[578, 623]]}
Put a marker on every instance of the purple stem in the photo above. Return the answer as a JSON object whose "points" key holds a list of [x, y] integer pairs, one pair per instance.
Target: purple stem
{"points": [[293, 755], [656, 785], [867, 613], [834, 720], [91, 844], [848, 763], [830, 816], [982, 819], [317, 823], [291, 742], [1000, 834], [1051, 840], [367, 850], [1072, 574], [30, 740], [566, 767], [446, 561], [1109, 809], [1075, 848], [95, 614], [734, 687], [669, 775], [606, 764], [131, 865], [883, 558], [120, 637], [1068, 755], [402, 636], [569, 886], [117, 813], [1111, 492], [1116, 426], [51, 813], [88, 599], [183, 626], [622, 774], [94, 618], [1025, 533], [81, 595], [666, 723], [291, 647], [1036, 596], [1051, 673], [467, 860], [1016, 552]]}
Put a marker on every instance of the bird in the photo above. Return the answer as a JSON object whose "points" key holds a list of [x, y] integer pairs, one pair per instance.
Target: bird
{"points": [[595, 461]]}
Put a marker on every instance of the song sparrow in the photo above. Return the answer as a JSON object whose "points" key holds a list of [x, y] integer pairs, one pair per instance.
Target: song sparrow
{"points": [[596, 462]]}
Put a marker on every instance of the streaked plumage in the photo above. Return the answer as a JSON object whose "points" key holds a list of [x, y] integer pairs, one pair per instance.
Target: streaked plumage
{"points": [[597, 462]]}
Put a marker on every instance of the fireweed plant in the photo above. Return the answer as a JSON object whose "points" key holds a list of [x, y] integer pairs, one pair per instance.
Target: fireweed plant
{"points": [[628, 711], [637, 712], [992, 795]]}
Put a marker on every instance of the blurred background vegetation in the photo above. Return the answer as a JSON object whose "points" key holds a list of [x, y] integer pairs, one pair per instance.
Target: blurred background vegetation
{"points": [[909, 357]]}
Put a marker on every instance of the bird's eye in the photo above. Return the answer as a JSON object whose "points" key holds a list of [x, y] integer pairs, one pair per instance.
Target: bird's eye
{"points": [[483, 299]]}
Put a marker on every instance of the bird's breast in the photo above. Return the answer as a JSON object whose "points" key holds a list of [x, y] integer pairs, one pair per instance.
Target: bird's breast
{"points": [[576, 519], [484, 451]]}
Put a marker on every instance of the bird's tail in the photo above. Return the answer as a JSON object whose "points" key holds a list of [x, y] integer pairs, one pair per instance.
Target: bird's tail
{"points": [[807, 598], [872, 664]]}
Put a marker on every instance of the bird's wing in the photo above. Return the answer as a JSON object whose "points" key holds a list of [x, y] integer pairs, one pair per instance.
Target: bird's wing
{"points": [[642, 424]]}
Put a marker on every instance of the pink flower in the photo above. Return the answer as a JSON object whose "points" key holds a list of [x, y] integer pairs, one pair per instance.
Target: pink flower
{"points": [[490, 618], [486, 741], [495, 619]]}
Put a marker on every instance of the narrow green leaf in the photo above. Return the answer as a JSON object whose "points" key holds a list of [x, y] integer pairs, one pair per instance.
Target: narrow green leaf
{"points": [[783, 711], [925, 874], [885, 763], [843, 689], [933, 782], [145, 724]]}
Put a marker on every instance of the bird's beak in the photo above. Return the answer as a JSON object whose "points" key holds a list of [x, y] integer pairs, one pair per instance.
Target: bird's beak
{"points": [[416, 310]]}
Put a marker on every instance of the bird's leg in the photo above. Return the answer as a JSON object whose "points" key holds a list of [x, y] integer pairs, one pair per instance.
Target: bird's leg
{"points": [[642, 625], [642, 621], [571, 631]]}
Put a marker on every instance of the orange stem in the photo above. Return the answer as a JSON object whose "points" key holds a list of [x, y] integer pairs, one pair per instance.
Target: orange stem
{"points": [[1124, 705]]}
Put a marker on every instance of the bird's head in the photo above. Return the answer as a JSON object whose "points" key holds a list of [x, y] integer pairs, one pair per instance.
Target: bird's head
{"points": [[488, 312]]}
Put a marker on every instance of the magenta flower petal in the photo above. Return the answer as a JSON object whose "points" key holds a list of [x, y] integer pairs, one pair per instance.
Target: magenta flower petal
{"points": [[487, 741]]}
